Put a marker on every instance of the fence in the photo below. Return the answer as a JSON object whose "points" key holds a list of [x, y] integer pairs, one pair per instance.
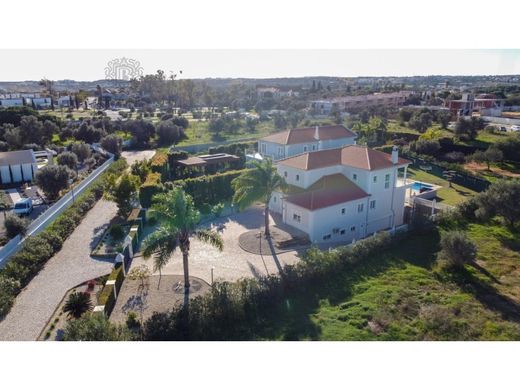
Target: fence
{"points": [[472, 182], [44, 219]]}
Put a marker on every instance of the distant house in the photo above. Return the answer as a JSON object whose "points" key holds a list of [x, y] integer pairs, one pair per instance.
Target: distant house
{"points": [[11, 102], [41, 103], [485, 103], [17, 166], [307, 139], [275, 92], [352, 103], [65, 101]]}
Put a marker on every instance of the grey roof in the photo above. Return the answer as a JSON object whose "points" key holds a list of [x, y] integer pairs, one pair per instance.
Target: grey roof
{"points": [[17, 157]]}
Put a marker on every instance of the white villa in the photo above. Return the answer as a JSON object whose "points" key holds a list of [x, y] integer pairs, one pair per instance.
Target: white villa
{"points": [[308, 139], [341, 194], [17, 166]]}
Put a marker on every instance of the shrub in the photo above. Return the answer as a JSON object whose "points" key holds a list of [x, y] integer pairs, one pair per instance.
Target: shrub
{"points": [[501, 198], [149, 188], [425, 146], [117, 232], [132, 320], [77, 304], [81, 150], [9, 288], [112, 144], [70, 160], [52, 179], [457, 249], [95, 328], [217, 209], [210, 189], [15, 225]]}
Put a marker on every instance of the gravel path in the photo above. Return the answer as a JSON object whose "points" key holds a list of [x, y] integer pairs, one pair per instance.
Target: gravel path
{"points": [[71, 266]]}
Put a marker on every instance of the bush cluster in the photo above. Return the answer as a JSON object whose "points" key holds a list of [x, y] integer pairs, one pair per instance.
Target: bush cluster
{"points": [[211, 189], [242, 310], [36, 250]]}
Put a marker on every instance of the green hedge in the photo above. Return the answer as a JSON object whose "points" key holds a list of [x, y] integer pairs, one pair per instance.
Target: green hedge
{"points": [[211, 189], [107, 296], [237, 148], [36, 250], [150, 187]]}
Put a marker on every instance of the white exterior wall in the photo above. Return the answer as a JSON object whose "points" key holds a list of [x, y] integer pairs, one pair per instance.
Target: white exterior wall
{"points": [[337, 143], [293, 150], [270, 149], [4, 174], [27, 172], [16, 171], [275, 204], [11, 102], [325, 220], [306, 218]]}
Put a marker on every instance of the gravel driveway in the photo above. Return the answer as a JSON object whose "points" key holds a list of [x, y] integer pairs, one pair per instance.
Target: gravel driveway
{"points": [[233, 262], [71, 266]]}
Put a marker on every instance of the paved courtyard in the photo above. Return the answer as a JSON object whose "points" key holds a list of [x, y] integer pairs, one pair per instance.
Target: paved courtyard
{"points": [[233, 262]]}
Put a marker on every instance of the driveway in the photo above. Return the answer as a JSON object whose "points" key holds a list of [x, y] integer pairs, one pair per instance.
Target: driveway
{"points": [[132, 156], [233, 262], [71, 266]]}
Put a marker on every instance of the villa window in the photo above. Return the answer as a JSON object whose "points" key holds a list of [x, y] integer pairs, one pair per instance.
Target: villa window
{"points": [[342, 232], [352, 228], [274, 199], [297, 218], [354, 176], [360, 207], [313, 147], [343, 211], [305, 148], [387, 180], [335, 230], [297, 177], [375, 179], [372, 204], [285, 174], [327, 237], [263, 147]]}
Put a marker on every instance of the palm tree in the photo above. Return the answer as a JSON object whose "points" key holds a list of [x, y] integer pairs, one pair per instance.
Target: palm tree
{"points": [[258, 184], [178, 219], [77, 304]]}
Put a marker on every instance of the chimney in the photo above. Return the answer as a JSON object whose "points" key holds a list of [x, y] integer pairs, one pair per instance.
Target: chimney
{"points": [[395, 155], [317, 133]]}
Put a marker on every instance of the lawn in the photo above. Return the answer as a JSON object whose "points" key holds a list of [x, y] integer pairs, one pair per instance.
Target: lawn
{"points": [[402, 295], [450, 195]]}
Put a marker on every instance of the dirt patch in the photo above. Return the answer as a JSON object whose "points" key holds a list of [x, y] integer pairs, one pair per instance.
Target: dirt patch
{"points": [[478, 168], [158, 294]]}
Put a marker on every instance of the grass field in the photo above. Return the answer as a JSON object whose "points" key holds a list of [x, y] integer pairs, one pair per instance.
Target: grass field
{"points": [[450, 195], [402, 295]]}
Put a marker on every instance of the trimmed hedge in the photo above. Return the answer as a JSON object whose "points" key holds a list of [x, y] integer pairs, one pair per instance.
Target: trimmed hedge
{"points": [[237, 148], [246, 309], [36, 250], [107, 296], [151, 186], [211, 189]]}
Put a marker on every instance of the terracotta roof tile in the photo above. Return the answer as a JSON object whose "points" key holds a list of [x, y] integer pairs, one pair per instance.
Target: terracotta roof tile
{"points": [[328, 191], [308, 134], [352, 155]]}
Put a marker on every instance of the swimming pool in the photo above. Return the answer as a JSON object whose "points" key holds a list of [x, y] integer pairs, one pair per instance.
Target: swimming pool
{"points": [[421, 187]]}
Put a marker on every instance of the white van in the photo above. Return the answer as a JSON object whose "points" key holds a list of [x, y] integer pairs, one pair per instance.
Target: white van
{"points": [[23, 207]]}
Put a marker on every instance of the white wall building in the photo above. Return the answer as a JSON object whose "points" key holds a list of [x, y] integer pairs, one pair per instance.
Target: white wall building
{"points": [[342, 194], [11, 102], [308, 139], [17, 167]]}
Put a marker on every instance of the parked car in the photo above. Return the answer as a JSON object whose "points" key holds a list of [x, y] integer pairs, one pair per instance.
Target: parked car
{"points": [[23, 207], [515, 128]]}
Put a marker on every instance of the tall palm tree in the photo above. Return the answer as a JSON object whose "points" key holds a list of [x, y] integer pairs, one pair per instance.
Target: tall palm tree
{"points": [[178, 219], [257, 184]]}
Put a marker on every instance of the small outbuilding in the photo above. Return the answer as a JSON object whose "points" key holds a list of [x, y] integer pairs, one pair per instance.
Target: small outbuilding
{"points": [[17, 167]]}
